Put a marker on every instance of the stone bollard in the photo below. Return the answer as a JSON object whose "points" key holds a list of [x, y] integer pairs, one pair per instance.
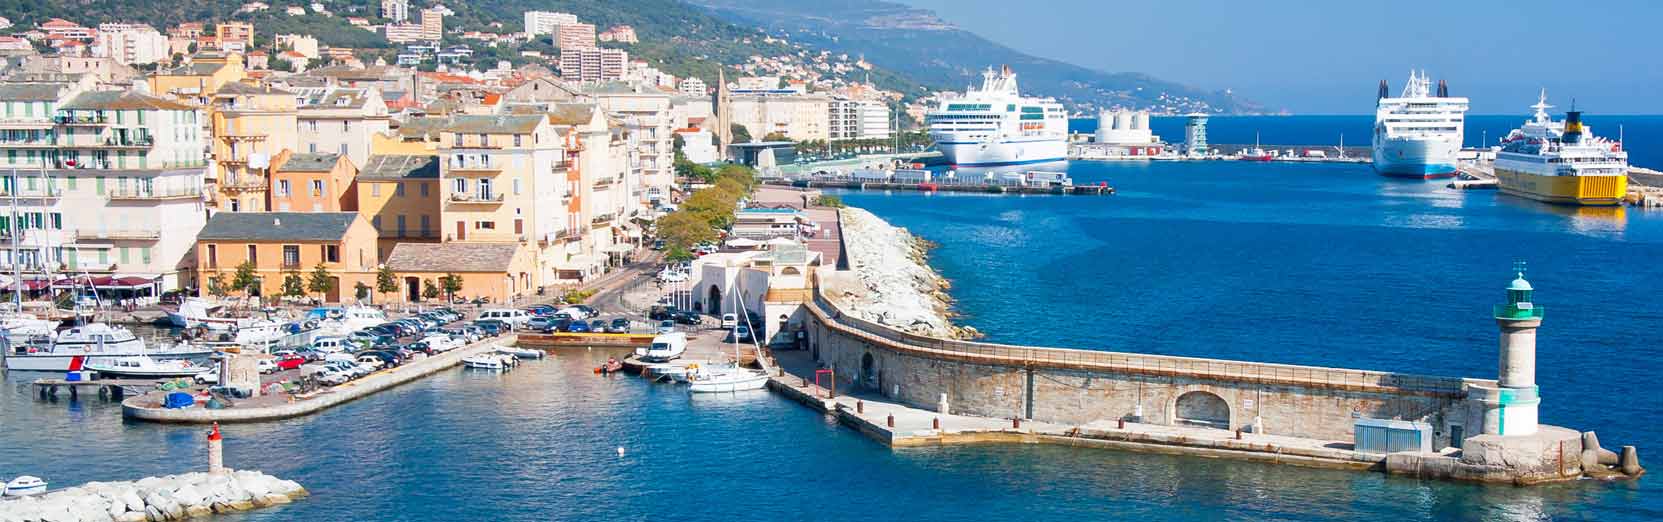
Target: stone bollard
{"points": [[1120, 423], [1630, 462], [936, 424], [891, 420], [216, 452], [860, 406], [1016, 422]]}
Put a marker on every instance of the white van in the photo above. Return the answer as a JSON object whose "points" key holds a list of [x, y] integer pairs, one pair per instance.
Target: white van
{"points": [[330, 344], [514, 317], [664, 347]]}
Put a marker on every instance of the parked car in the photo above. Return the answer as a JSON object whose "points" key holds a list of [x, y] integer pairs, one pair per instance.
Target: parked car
{"points": [[597, 326], [370, 359], [662, 312], [689, 317], [210, 376], [578, 327], [474, 331], [388, 358], [730, 320], [540, 310], [619, 325], [742, 333], [666, 326], [588, 311], [541, 323], [290, 362], [266, 365], [420, 347], [492, 327], [441, 342], [514, 318]]}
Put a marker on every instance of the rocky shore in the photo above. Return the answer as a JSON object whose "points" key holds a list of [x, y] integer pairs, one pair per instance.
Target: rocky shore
{"points": [[173, 497], [892, 283]]}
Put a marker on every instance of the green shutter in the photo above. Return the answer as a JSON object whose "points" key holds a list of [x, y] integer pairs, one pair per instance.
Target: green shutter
{"points": [[100, 185], [145, 252], [124, 259]]}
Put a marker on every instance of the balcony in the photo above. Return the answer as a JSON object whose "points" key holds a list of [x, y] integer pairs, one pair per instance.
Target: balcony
{"points": [[44, 192], [130, 234], [244, 183], [471, 198], [82, 119], [29, 144], [155, 195], [119, 142], [410, 234], [603, 183], [25, 123], [478, 167], [242, 137]]}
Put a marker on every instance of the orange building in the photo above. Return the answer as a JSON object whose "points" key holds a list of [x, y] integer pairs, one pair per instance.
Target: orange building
{"points": [[500, 272], [282, 242], [399, 194], [312, 182]]}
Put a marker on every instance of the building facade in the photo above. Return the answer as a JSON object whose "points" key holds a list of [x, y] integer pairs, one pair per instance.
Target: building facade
{"points": [[538, 23], [399, 193], [251, 126], [312, 182], [340, 120], [131, 44], [858, 119], [280, 243], [575, 36], [591, 65], [798, 116]]}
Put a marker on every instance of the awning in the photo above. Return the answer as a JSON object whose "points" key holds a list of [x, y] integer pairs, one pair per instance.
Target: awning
{"points": [[29, 285], [620, 249], [781, 241], [740, 242], [104, 282]]}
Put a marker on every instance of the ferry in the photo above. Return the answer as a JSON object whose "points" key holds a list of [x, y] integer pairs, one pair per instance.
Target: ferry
{"points": [[996, 125], [1561, 162], [1418, 133]]}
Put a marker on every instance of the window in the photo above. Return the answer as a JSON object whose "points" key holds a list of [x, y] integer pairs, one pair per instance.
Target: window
{"points": [[283, 187], [312, 147], [424, 190], [485, 189], [252, 258], [516, 186], [291, 255], [123, 257], [332, 253], [485, 225], [144, 254], [375, 189], [484, 140], [459, 185], [519, 226], [426, 224], [317, 188], [398, 190], [401, 225], [346, 125], [57, 221], [213, 256], [517, 138]]}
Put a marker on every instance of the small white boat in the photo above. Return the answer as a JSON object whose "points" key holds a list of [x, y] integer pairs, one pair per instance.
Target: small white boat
{"points": [[144, 367], [490, 361], [24, 486], [522, 353], [726, 379]]}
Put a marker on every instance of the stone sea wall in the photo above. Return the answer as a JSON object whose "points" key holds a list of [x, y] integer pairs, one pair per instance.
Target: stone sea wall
{"points": [[889, 281], [172, 497]]}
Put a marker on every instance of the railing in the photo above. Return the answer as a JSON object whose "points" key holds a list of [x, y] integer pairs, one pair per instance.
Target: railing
{"points": [[411, 234], [29, 143], [82, 119], [475, 166], [1512, 312], [141, 234], [289, 265], [38, 192], [154, 195], [144, 141], [603, 218], [244, 182], [1119, 362], [603, 182], [460, 197]]}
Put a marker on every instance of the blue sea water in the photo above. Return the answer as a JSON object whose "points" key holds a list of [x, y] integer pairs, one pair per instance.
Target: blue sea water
{"points": [[1311, 264], [1642, 135]]}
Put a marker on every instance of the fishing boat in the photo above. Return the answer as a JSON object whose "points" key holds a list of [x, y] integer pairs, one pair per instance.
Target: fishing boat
{"points": [[24, 486], [521, 353], [74, 348], [613, 365], [143, 367]]}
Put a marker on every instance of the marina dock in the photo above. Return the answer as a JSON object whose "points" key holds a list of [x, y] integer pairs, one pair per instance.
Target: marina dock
{"points": [[114, 389]]}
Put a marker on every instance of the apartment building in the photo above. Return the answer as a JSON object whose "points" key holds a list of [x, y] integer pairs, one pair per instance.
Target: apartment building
{"points": [[399, 193], [251, 126], [797, 116], [340, 120], [539, 23], [645, 115], [590, 65], [858, 119], [241, 33], [130, 44], [278, 243], [575, 36], [312, 182]]}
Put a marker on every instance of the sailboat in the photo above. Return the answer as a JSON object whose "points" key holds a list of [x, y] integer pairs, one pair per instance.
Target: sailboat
{"points": [[731, 378]]}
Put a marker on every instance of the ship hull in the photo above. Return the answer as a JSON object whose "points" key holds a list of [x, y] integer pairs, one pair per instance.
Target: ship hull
{"points": [[1002, 152], [1564, 190], [1416, 159]]}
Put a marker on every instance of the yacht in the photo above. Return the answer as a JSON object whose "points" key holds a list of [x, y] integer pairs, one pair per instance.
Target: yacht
{"points": [[143, 367], [1561, 162], [74, 348], [1418, 133], [727, 378], [24, 486], [335, 320], [996, 125]]}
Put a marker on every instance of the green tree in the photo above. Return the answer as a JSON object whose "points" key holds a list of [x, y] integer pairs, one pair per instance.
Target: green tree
{"points": [[681, 230], [430, 290], [385, 281], [676, 143], [292, 285], [361, 291], [320, 281], [776, 136], [244, 279], [282, 65], [740, 133], [217, 286], [452, 284], [679, 254]]}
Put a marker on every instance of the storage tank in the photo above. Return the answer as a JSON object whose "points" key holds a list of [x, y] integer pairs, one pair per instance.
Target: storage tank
{"points": [[1140, 121], [1105, 123], [1123, 120]]}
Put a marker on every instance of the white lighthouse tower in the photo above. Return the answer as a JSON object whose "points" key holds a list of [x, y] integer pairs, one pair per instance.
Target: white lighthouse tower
{"points": [[1510, 408]]}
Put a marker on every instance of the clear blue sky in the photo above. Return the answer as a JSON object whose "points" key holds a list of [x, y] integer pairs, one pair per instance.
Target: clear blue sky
{"points": [[1328, 57]]}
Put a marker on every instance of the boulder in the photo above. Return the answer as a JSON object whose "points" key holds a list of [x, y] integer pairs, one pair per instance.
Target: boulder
{"points": [[132, 516]]}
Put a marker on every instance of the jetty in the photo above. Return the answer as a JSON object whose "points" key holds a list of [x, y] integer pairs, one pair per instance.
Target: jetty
{"points": [[115, 389], [149, 407], [1472, 175]]}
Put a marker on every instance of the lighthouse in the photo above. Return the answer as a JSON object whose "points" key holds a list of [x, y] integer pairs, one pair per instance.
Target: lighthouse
{"points": [[1510, 408]]}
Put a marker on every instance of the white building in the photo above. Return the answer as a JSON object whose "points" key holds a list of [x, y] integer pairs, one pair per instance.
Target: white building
{"points": [[1124, 127], [698, 145], [797, 116], [306, 45], [757, 83], [590, 65], [130, 44], [546, 22], [340, 120], [645, 115], [396, 10], [858, 119], [692, 86]]}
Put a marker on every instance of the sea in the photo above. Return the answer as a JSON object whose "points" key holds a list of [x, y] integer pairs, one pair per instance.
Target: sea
{"points": [[1642, 135], [1297, 263]]}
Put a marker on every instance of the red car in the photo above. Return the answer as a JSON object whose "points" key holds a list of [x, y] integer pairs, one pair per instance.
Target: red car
{"points": [[291, 362]]}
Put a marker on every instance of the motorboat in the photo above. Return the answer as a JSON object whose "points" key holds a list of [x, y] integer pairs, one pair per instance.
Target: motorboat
{"points": [[196, 312], [522, 353], [346, 319], [144, 367], [24, 486], [613, 365], [75, 347], [266, 336], [724, 379], [490, 361]]}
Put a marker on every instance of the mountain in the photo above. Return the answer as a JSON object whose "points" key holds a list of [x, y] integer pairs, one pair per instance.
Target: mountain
{"points": [[919, 45]]}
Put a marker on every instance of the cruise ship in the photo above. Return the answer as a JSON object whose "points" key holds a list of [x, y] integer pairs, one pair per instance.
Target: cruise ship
{"points": [[996, 125], [1561, 162], [1417, 134]]}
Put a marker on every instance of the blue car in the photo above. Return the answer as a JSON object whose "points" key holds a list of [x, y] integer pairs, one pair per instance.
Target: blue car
{"points": [[578, 327]]}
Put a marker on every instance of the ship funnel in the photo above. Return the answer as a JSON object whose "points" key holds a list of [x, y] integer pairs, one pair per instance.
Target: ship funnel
{"points": [[1573, 127], [1384, 91], [1443, 89]]}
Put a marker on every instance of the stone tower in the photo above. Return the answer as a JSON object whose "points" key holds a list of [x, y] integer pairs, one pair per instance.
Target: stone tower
{"points": [[724, 115], [1510, 408]]}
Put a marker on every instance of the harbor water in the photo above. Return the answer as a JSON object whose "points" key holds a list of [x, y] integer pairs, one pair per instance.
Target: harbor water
{"points": [[1307, 264]]}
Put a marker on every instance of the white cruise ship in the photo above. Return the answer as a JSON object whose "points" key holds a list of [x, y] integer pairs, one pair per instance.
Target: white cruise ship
{"points": [[995, 125], [1418, 133]]}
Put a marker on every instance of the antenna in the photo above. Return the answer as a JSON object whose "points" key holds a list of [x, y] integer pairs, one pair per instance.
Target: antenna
{"points": [[1519, 266]]}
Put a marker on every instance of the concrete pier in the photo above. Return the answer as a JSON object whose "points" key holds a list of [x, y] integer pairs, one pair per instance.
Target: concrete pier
{"points": [[149, 407]]}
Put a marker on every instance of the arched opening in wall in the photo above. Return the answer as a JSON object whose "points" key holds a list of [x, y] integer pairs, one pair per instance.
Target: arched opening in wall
{"points": [[869, 373], [790, 270], [1199, 408], [713, 303]]}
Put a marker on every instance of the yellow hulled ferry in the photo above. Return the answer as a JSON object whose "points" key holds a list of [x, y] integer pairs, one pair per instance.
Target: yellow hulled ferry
{"points": [[1561, 162]]}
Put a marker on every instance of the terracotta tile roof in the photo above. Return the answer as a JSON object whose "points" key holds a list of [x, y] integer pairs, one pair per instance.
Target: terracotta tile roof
{"points": [[123, 100], [452, 257]]}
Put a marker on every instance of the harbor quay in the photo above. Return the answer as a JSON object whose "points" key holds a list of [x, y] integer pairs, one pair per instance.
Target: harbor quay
{"points": [[150, 407], [906, 389]]}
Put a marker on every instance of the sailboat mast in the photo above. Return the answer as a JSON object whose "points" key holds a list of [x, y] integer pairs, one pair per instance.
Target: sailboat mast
{"points": [[17, 265]]}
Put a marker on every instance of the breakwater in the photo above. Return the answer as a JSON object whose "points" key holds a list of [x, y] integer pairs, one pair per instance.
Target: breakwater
{"points": [[149, 407], [171, 497]]}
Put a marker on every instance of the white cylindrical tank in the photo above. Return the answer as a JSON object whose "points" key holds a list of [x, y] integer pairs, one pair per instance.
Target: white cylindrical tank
{"points": [[1123, 120], [1141, 120]]}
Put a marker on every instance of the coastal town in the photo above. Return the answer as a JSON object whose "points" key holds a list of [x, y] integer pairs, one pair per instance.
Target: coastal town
{"points": [[297, 259]]}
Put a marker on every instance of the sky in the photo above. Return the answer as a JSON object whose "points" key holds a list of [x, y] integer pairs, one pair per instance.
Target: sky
{"points": [[1314, 57]]}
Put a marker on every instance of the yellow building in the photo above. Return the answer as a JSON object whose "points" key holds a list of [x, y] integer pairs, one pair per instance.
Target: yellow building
{"points": [[251, 125], [197, 81], [277, 243], [312, 182], [500, 272], [399, 194]]}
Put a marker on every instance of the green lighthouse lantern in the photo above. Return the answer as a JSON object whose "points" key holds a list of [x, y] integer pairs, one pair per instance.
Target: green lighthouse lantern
{"points": [[1519, 294]]}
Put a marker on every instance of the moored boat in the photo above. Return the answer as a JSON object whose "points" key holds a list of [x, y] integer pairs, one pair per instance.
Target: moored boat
{"points": [[489, 361], [143, 367], [73, 348], [725, 379], [996, 125], [1418, 133], [1561, 162], [521, 353], [24, 486]]}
